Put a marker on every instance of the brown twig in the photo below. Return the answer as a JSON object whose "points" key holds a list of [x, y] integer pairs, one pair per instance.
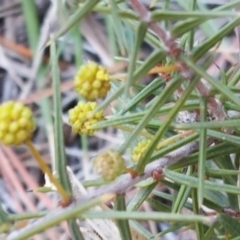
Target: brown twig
{"points": [[171, 47], [174, 51]]}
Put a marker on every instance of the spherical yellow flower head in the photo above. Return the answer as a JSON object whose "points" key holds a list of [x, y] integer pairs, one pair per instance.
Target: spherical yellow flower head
{"points": [[92, 81], [16, 123], [109, 165], [80, 117], [139, 150]]}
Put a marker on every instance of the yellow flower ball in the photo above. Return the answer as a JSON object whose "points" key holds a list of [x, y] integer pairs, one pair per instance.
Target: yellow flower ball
{"points": [[80, 117], [16, 123], [92, 81], [109, 165], [139, 150]]}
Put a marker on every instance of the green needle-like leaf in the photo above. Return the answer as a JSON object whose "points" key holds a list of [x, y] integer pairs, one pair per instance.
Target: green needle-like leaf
{"points": [[141, 30], [150, 62], [193, 182], [146, 156], [31, 22], [202, 152], [60, 157], [158, 15], [3, 216], [76, 17], [140, 197], [182, 196], [160, 100], [211, 42], [118, 27], [230, 225], [150, 88], [150, 216], [213, 124], [196, 207], [216, 84], [68, 214], [123, 225], [60, 161]]}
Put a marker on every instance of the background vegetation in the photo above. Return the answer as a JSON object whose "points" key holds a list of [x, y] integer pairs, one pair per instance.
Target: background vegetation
{"points": [[174, 68]]}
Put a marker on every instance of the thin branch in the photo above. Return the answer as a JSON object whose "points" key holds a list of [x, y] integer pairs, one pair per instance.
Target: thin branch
{"points": [[122, 184]]}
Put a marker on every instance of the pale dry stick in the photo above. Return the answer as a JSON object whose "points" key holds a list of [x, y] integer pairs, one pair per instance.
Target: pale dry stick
{"points": [[15, 162], [8, 171], [173, 50], [29, 180], [14, 179], [152, 224], [16, 206], [97, 39], [50, 18], [120, 185]]}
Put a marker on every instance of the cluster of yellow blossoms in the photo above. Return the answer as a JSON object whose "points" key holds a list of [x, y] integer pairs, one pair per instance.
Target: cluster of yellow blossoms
{"points": [[81, 117], [139, 150], [92, 81], [16, 123]]}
